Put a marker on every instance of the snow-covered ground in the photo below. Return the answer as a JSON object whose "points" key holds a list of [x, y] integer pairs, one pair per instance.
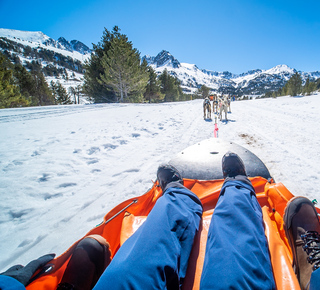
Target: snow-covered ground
{"points": [[62, 168]]}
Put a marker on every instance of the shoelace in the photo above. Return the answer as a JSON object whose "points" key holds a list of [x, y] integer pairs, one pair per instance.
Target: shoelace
{"points": [[311, 240]]}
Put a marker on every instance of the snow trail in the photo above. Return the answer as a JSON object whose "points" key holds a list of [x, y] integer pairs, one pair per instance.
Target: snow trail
{"points": [[63, 168], [282, 133]]}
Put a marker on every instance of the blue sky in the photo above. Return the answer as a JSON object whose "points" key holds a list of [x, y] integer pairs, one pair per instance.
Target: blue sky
{"points": [[219, 35]]}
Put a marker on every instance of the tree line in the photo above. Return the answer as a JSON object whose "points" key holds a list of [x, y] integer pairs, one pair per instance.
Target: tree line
{"points": [[115, 73], [11, 49], [294, 87], [21, 88]]}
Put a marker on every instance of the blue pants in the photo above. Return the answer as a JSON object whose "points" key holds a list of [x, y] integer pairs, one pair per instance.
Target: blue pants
{"points": [[8, 283], [156, 255], [237, 254], [315, 280]]}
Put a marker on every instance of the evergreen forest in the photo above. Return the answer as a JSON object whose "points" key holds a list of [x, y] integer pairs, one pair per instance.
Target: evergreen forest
{"points": [[294, 87], [114, 72]]}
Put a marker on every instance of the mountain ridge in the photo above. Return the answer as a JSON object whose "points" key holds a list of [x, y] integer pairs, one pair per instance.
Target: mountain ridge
{"points": [[41, 38], [60, 60], [252, 82]]}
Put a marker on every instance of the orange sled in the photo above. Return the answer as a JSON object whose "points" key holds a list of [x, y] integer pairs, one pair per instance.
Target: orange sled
{"points": [[200, 166]]}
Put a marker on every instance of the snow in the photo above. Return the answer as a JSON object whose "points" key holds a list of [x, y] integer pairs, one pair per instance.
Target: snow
{"points": [[36, 39], [279, 69], [33, 36], [191, 76], [283, 71], [190, 73], [64, 167], [74, 82], [244, 80]]}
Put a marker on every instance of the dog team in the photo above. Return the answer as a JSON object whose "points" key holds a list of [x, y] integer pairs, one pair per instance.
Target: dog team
{"points": [[220, 104]]}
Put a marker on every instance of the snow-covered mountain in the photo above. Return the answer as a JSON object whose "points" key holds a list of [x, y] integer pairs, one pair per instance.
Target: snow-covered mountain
{"points": [[253, 82], [37, 39], [63, 60], [163, 59]]}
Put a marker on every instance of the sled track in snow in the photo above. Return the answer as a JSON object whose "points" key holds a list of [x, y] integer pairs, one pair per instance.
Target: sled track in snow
{"points": [[280, 139], [23, 114]]}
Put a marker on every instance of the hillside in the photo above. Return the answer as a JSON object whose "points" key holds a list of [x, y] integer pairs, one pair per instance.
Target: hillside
{"points": [[254, 82], [62, 60]]}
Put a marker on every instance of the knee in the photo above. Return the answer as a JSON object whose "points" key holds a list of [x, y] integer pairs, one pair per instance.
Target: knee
{"points": [[95, 249]]}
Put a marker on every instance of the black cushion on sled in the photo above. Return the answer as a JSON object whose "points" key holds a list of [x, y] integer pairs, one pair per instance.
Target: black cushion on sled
{"points": [[203, 160]]}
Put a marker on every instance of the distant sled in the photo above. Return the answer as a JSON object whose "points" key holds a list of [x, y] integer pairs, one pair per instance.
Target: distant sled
{"points": [[200, 166]]}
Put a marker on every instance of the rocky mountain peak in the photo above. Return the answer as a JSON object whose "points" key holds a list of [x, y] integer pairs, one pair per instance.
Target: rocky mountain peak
{"points": [[74, 45], [80, 47], [164, 58]]}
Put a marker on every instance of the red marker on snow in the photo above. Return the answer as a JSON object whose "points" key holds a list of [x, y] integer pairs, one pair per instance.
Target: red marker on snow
{"points": [[215, 132]]}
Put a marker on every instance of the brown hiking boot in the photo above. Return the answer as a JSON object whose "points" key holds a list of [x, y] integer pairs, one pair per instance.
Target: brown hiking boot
{"points": [[302, 228]]}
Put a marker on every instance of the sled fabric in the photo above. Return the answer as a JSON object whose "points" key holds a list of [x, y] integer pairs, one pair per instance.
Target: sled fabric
{"points": [[160, 248], [122, 221]]}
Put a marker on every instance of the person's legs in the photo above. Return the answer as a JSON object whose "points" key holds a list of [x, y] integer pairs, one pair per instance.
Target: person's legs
{"points": [[237, 253], [315, 280], [88, 261], [156, 255]]}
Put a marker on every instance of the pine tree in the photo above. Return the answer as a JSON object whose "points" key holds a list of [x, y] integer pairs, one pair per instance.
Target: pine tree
{"points": [[137, 94], [170, 87], [25, 81], [122, 70], [180, 95], [294, 85], [203, 91], [309, 87], [97, 92], [43, 96], [305, 89], [10, 95], [312, 87], [153, 88], [60, 93]]}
